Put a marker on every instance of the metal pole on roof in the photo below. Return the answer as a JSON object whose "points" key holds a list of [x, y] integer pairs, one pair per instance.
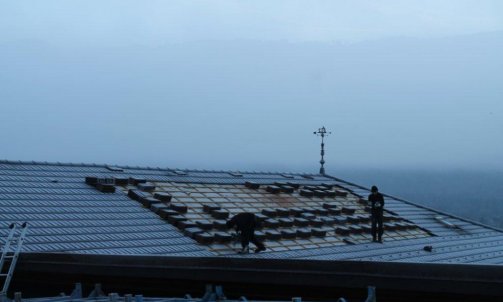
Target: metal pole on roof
{"points": [[322, 132]]}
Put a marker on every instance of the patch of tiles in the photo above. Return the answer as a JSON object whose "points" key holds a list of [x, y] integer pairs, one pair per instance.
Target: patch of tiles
{"points": [[292, 216]]}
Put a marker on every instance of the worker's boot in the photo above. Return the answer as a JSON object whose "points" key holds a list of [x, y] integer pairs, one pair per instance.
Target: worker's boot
{"points": [[244, 250], [260, 249]]}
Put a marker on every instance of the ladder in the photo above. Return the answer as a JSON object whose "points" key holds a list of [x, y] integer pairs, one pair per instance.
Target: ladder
{"points": [[10, 251]]}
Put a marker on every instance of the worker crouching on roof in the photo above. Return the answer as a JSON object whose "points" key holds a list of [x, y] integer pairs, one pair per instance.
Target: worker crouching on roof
{"points": [[377, 208], [245, 223]]}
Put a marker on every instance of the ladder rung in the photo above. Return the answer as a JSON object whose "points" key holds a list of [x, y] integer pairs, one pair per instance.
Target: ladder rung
{"points": [[4, 275]]}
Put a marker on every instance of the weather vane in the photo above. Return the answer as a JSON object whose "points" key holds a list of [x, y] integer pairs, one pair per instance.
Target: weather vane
{"points": [[322, 132]]}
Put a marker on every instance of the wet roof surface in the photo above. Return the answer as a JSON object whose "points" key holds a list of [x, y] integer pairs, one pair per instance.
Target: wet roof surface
{"points": [[67, 215]]}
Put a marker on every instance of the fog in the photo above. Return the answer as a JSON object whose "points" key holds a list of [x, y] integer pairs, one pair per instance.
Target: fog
{"points": [[241, 104], [402, 86]]}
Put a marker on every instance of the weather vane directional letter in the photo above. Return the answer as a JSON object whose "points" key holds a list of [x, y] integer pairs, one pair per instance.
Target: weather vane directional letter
{"points": [[322, 132]]}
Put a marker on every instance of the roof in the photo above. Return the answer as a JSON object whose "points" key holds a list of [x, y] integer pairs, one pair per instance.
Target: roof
{"points": [[175, 212]]}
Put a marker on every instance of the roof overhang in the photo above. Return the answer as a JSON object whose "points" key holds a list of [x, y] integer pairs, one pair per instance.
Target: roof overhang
{"points": [[414, 279]]}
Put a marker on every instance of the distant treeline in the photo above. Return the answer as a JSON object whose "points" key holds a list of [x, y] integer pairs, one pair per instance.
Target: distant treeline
{"points": [[476, 195]]}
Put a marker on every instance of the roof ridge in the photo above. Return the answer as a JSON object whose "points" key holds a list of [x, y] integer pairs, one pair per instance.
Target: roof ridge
{"points": [[69, 164], [46, 163]]}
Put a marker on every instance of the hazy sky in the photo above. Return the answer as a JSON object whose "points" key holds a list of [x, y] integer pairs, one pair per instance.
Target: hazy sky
{"points": [[243, 84]]}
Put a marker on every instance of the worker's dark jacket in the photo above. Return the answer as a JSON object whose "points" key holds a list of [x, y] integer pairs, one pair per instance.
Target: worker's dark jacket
{"points": [[243, 221], [377, 203]]}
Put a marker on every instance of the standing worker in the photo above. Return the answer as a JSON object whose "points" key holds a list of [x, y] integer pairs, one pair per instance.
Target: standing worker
{"points": [[245, 223], [377, 203]]}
